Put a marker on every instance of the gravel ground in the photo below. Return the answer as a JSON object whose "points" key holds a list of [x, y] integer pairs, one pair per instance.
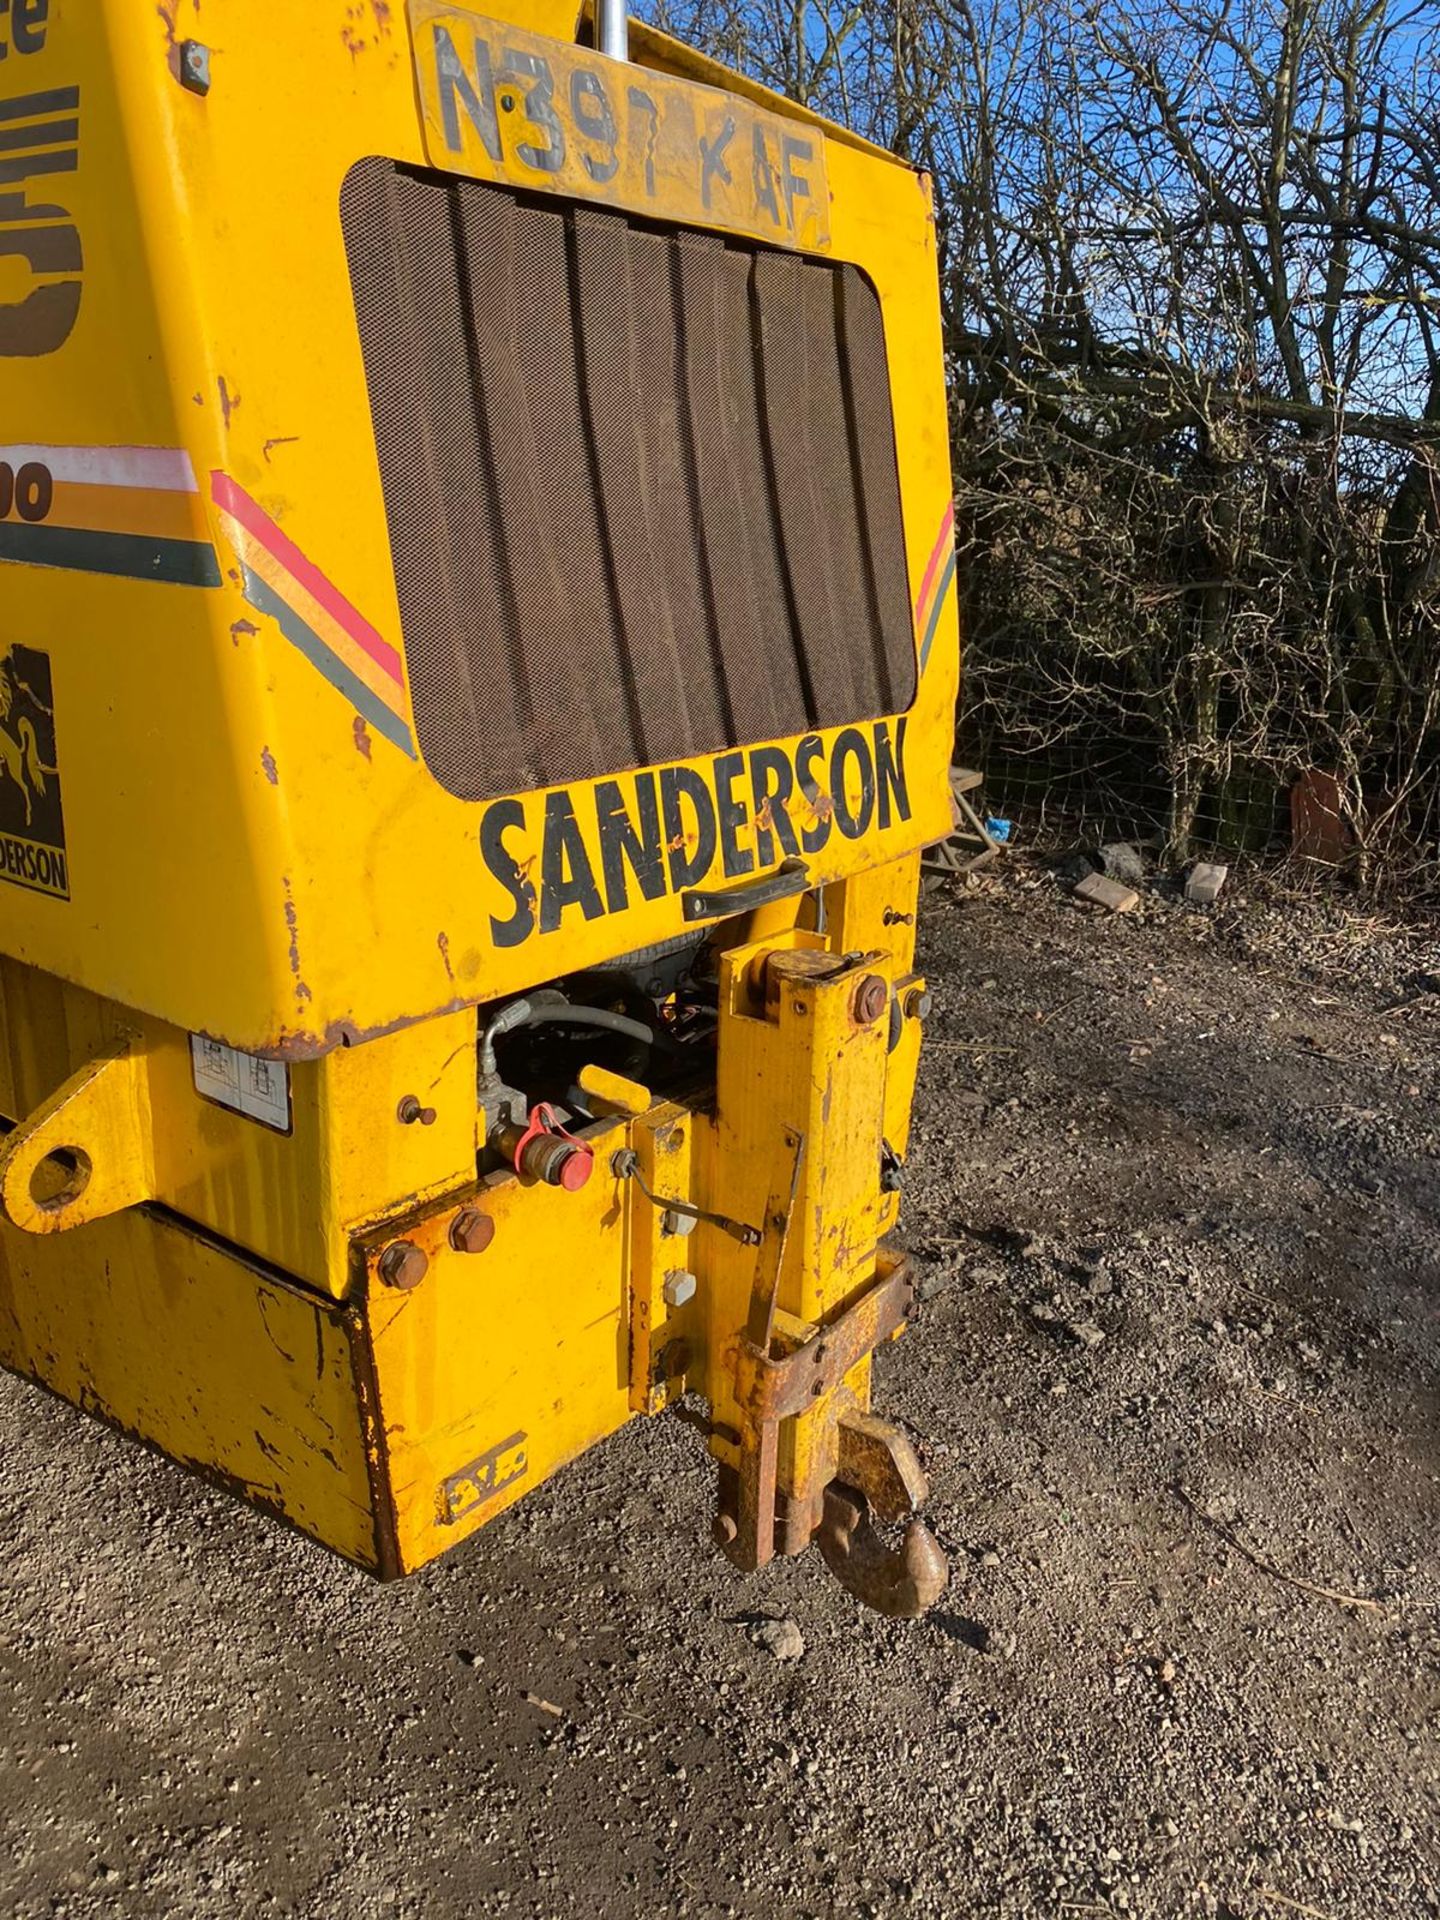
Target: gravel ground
{"points": [[1175, 1199]]}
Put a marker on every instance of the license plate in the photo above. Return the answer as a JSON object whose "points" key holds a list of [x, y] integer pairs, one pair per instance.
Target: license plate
{"points": [[525, 111]]}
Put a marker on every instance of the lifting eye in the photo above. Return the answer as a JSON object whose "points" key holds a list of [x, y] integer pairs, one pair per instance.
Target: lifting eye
{"points": [[60, 1178]]}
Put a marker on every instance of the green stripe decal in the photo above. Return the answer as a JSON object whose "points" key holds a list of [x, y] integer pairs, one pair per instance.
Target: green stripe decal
{"points": [[132, 556], [942, 593], [303, 636]]}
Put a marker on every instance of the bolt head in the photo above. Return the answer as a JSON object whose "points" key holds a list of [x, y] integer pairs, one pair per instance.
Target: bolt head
{"points": [[471, 1231], [724, 1529], [918, 1003], [403, 1265], [872, 997], [195, 66], [679, 1287]]}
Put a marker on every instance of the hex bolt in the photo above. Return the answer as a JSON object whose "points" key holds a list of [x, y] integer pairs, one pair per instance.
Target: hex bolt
{"points": [[471, 1231], [872, 996], [678, 1226], [403, 1265], [410, 1110], [918, 1003], [679, 1287], [195, 66]]}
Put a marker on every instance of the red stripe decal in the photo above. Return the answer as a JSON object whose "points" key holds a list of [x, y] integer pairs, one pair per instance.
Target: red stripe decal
{"points": [[232, 498], [947, 527]]}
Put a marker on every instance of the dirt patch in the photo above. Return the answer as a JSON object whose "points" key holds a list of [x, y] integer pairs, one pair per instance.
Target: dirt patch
{"points": [[1175, 1197]]}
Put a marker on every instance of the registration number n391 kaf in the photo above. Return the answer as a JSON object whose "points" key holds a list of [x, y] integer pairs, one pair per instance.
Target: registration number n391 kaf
{"points": [[526, 111]]}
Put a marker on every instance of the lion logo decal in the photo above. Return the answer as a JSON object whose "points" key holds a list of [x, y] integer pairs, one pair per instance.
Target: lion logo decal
{"points": [[32, 822]]}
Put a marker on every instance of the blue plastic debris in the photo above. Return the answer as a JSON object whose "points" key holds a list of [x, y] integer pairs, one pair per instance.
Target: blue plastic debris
{"points": [[999, 830]]}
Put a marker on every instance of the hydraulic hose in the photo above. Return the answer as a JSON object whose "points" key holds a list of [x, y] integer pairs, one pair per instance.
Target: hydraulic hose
{"points": [[579, 1016], [548, 1005]]}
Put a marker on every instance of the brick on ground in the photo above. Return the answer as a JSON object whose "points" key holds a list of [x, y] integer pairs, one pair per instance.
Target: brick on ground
{"points": [[1107, 893], [1203, 887]]}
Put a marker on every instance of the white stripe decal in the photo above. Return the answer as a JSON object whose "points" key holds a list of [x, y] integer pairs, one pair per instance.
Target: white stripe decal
{"points": [[159, 469]]}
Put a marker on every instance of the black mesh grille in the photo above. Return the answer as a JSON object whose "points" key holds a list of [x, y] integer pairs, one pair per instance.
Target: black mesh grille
{"points": [[641, 487]]}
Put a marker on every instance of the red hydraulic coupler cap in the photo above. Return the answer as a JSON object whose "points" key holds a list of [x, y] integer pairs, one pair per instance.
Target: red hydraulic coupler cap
{"points": [[545, 1151], [576, 1168]]}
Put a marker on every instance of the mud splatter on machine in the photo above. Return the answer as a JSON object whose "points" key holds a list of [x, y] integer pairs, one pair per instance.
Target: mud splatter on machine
{"points": [[477, 657]]}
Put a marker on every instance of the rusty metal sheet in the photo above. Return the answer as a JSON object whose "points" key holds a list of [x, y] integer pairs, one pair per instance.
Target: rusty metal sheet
{"points": [[878, 1460], [760, 1459], [772, 1388]]}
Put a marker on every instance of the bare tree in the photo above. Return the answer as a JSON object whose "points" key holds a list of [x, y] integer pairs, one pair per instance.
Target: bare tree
{"points": [[1191, 262]]}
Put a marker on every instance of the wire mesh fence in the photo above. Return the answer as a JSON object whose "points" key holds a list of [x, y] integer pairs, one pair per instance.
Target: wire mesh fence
{"points": [[1192, 668]]}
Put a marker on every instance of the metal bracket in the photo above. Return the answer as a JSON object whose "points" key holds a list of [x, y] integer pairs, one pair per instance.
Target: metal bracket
{"points": [[879, 1461], [87, 1152], [775, 1387], [754, 1544], [771, 1388]]}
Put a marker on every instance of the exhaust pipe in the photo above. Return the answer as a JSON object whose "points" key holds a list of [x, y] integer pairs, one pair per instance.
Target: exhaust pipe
{"points": [[612, 29]]}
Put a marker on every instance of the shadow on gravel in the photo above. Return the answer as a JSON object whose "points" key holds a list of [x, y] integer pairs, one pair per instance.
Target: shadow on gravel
{"points": [[954, 1626]]}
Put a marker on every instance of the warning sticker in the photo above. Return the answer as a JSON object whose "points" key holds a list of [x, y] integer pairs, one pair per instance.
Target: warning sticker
{"points": [[260, 1089]]}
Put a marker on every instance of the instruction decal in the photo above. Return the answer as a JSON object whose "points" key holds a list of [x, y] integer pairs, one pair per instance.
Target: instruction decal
{"points": [[32, 816], [260, 1089]]}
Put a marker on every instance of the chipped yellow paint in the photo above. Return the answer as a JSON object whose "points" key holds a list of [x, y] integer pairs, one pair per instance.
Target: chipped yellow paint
{"points": [[391, 1425], [290, 1199], [253, 1381], [503, 1365]]}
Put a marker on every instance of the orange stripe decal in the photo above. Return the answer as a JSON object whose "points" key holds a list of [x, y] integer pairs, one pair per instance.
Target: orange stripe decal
{"points": [[313, 614]]}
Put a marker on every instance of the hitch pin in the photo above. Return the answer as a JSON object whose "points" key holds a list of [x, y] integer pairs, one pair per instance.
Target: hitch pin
{"points": [[625, 1165]]}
